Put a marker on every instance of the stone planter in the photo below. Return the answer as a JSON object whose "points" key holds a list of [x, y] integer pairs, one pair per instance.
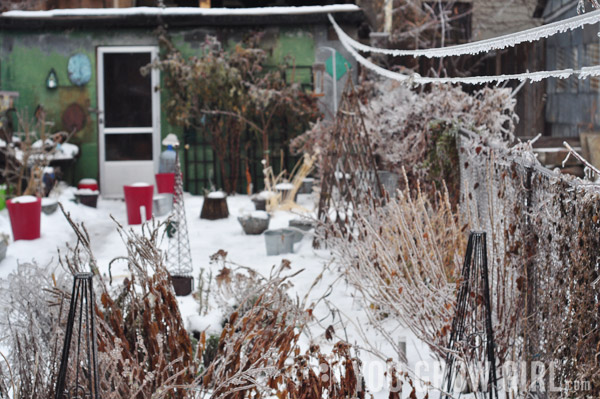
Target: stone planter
{"points": [[260, 200], [302, 224], [300, 227], [260, 204], [49, 205], [280, 241], [255, 223], [87, 197], [285, 189], [307, 185]]}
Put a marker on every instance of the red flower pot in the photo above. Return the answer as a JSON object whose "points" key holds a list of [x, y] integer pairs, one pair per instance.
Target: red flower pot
{"points": [[90, 184], [165, 183], [136, 196], [25, 216]]}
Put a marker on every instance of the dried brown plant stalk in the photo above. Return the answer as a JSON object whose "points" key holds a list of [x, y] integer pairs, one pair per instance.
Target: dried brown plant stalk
{"points": [[259, 354], [407, 264], [143, 350]]}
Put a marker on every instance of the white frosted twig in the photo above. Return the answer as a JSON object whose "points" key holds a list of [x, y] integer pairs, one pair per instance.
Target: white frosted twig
{"points": [[482, 46], [580, 158]]}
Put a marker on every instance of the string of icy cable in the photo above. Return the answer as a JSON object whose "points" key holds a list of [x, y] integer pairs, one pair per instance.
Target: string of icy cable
{"points": [[482, 46], [418, 79]]}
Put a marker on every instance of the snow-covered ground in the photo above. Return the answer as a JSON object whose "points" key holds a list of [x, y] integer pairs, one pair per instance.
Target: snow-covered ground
{"points": [[206, 238]]}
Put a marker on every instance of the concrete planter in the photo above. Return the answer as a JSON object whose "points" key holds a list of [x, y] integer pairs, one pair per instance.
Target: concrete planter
{"points": [[49, 205], [162, 204], [285, 189], [255, 223], [280, 241], [260, 200], [302, 224], [307, 185], [300, 227], [87, 197], [260, 204]]}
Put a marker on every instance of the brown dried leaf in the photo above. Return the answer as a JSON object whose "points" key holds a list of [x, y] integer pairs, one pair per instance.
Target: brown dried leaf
{"points": [[224, 276], [329, 332]]}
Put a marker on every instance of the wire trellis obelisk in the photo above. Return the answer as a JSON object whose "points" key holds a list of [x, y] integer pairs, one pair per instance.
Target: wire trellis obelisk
{"points": [[78, 373], [472, 337], [349, 178], [179, 256]]}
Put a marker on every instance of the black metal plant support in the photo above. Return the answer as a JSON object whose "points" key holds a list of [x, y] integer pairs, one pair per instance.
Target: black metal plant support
{"points": [[83, 378], [472, 335]]}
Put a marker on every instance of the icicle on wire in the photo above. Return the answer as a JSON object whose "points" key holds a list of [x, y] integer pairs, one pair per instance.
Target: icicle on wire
{"points": [[418, 79], [496, 43]]}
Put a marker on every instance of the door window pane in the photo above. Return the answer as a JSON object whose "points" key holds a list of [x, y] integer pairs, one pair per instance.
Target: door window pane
{"points": [[127, 94], [128, 147]]}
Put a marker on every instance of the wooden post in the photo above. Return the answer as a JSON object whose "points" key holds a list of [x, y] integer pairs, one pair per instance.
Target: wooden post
{"points": [[214, 207]]}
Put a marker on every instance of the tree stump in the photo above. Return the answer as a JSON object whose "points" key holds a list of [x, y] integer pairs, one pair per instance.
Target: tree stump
{"points": [[214, 207]]}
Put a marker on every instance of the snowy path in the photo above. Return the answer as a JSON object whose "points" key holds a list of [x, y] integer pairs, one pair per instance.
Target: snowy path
{"points": [[206, 238]]}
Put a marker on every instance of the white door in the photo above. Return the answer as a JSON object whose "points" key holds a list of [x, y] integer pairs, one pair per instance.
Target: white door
{"points": [[129, 118]]}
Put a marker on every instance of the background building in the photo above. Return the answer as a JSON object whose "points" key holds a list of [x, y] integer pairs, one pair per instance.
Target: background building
{"points": [[95, 56]]}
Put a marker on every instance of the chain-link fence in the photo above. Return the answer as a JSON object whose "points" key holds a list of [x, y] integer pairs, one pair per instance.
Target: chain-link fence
{"points": [[544, 231]]}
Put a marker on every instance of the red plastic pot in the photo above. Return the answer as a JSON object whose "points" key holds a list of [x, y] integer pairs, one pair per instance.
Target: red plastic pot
{"points": [[165, 183], [25, 218], [136, 196]]}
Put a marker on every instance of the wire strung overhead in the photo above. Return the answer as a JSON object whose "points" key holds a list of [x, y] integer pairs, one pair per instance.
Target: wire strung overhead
{"points": [[482, 46], [415, 78]]}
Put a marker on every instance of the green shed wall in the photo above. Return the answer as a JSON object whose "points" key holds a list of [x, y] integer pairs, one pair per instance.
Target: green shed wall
{"points": [[27, 57]]}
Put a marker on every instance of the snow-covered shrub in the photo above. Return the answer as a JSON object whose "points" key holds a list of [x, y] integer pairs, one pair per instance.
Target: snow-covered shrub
{"points": [[407, 268], [406, 265], [232, 99], [403, 122], [26, 152], [143, 349], [258, 354], [405, 127], [144, 332], [30, 331]]}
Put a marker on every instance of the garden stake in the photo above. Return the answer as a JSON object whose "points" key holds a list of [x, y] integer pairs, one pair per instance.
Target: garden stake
{"points": [[85, 375], [473, 321]]}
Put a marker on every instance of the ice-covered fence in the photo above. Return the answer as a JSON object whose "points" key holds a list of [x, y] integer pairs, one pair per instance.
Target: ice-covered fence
{"points": [[544, 229]]}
